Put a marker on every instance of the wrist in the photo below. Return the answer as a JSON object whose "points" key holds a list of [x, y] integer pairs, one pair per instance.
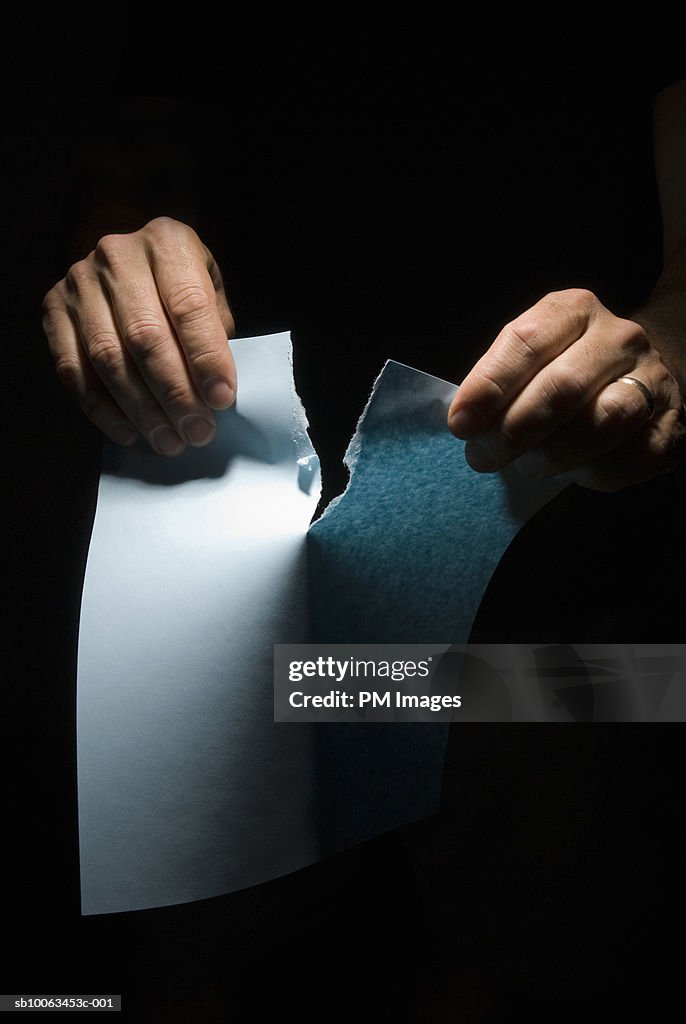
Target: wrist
{"points": [[663, 318]]}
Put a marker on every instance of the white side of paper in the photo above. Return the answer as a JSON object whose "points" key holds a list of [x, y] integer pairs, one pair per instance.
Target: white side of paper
{"points": [[187, 788]]}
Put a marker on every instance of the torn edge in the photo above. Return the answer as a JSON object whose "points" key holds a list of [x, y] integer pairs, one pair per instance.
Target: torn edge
{"points": [[307, 459], [352, 452]]}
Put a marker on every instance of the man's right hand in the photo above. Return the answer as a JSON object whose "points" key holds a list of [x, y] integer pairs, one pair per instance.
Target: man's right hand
{"points": [[138, 331]]}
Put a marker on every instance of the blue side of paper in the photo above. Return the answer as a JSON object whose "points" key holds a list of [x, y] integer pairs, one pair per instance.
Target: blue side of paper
{"points": [[404, 555]]}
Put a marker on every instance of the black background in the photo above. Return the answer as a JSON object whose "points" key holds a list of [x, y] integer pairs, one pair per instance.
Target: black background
{"points": [[401, 206]]}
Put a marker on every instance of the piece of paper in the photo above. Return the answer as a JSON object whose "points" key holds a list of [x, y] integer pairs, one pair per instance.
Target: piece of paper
{"points": [[199, 565], [403, 556], [186, 786]]}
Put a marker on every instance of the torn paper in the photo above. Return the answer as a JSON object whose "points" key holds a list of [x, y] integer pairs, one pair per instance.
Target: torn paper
{"points": [[403, 556], [187, 788], [197, 567]]}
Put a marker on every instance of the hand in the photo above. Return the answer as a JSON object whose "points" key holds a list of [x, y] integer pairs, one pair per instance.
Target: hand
{"points": [[138, 331], [545, 396]]}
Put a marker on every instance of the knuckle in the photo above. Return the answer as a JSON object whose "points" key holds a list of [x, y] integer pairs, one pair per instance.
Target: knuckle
{"points": [[523, 335], [490, 385], [104, 353], [51, 301], [563, 389], [568, 309], [660, 446], [633, 340], [78, 277], [206, 357], [176, 393], [162, 223], [52, 304], [574, 298], [625, 411], [166, 227], [663, 381], [68, 373], [108, 251], [144, 336], [70, 376], [189, 303]]}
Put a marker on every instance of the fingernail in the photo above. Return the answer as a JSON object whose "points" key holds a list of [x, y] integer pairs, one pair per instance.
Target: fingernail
{"points": [[218, 393], [196, 430], [166, 441], [465, 421], [122, 433], [479, 457]]}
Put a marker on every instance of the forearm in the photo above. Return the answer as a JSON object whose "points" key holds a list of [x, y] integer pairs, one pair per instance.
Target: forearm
{"points": [[663, 316]]}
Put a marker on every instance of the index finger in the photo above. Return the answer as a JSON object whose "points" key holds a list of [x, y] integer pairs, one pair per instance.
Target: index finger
{"points": [[520, 351], [188, 284]]}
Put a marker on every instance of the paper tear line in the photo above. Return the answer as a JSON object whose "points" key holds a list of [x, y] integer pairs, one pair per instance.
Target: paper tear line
{"points": [[352, 452]]}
